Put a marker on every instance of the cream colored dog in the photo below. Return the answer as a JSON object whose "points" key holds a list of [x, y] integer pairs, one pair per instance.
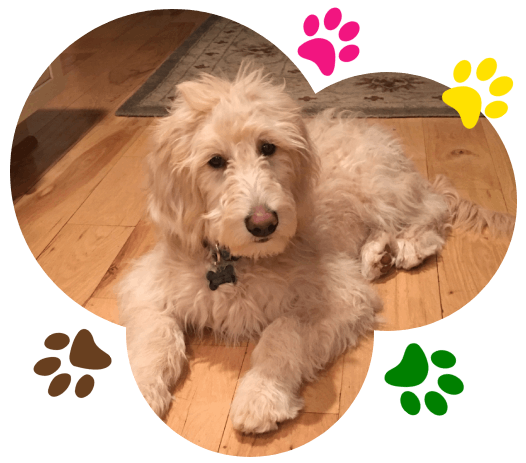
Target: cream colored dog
{"points": [[269, 229]]}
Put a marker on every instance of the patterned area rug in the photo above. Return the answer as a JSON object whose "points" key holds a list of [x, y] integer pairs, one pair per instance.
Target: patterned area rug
{"points": [[219, 45]]}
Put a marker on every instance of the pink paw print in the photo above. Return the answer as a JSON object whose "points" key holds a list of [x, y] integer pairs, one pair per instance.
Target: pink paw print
{"points": [[321, 51]]}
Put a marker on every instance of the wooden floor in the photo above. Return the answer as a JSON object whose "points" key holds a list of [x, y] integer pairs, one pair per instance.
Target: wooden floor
{"points": [[84, 222]]}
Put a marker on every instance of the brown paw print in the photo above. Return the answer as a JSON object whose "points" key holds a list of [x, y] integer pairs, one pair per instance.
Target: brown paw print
{"points": [[387, 260], [84, 354]]}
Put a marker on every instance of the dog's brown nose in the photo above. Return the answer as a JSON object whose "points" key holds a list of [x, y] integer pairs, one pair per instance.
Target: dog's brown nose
{"points": [[262, 222]]}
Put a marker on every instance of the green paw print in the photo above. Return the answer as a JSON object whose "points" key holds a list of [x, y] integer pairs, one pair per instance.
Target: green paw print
{"points": [[412, 371], [467, 100]]}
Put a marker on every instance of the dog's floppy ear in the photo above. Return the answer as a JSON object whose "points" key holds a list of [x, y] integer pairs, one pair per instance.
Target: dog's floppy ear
{"points": [[175, 203], [307, 170]]}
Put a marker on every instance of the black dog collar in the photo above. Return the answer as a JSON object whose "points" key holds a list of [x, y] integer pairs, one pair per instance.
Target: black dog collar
{"points": [[223, 269]]}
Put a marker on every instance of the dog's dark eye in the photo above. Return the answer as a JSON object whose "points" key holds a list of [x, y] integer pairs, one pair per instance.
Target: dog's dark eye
{"points": [[267, 149], [217, 162]]}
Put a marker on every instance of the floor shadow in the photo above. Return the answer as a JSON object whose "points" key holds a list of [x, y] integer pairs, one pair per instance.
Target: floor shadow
{"points": [[34, 155]]}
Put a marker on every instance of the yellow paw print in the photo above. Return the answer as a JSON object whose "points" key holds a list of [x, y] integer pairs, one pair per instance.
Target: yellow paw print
{"points": [[468, 102]]}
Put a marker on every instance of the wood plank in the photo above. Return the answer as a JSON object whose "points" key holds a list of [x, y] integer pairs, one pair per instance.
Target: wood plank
{"points": [[209, 386], [109, 49], [468, 262], [142, 239], [323, 394], [45, 210], [120, 198], [461, 154], [355, 367], [144, 143], [79, 256]]}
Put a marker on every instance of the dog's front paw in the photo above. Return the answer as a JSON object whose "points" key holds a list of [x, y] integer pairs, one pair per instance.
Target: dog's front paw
{"points": [[260, 404], [158, 397]]}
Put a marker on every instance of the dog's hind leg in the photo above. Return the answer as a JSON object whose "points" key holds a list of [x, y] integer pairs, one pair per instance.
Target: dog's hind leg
{"points": [[378, 255], [440, 211], [416, 244], [421, 222], [425, 234], [382, 251]]}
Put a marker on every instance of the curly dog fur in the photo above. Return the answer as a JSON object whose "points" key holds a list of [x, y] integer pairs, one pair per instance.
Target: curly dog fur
{"points": [[348, 206]]}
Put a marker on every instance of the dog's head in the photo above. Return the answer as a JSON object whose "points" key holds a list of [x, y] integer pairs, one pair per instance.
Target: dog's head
{"points": [[233, 165]]}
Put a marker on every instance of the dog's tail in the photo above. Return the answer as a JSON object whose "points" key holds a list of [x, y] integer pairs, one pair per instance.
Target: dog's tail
{"points": [[469, 216]]}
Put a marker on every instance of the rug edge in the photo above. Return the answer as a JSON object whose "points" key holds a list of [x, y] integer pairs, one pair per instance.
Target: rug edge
{"points": [[160, 73]]}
